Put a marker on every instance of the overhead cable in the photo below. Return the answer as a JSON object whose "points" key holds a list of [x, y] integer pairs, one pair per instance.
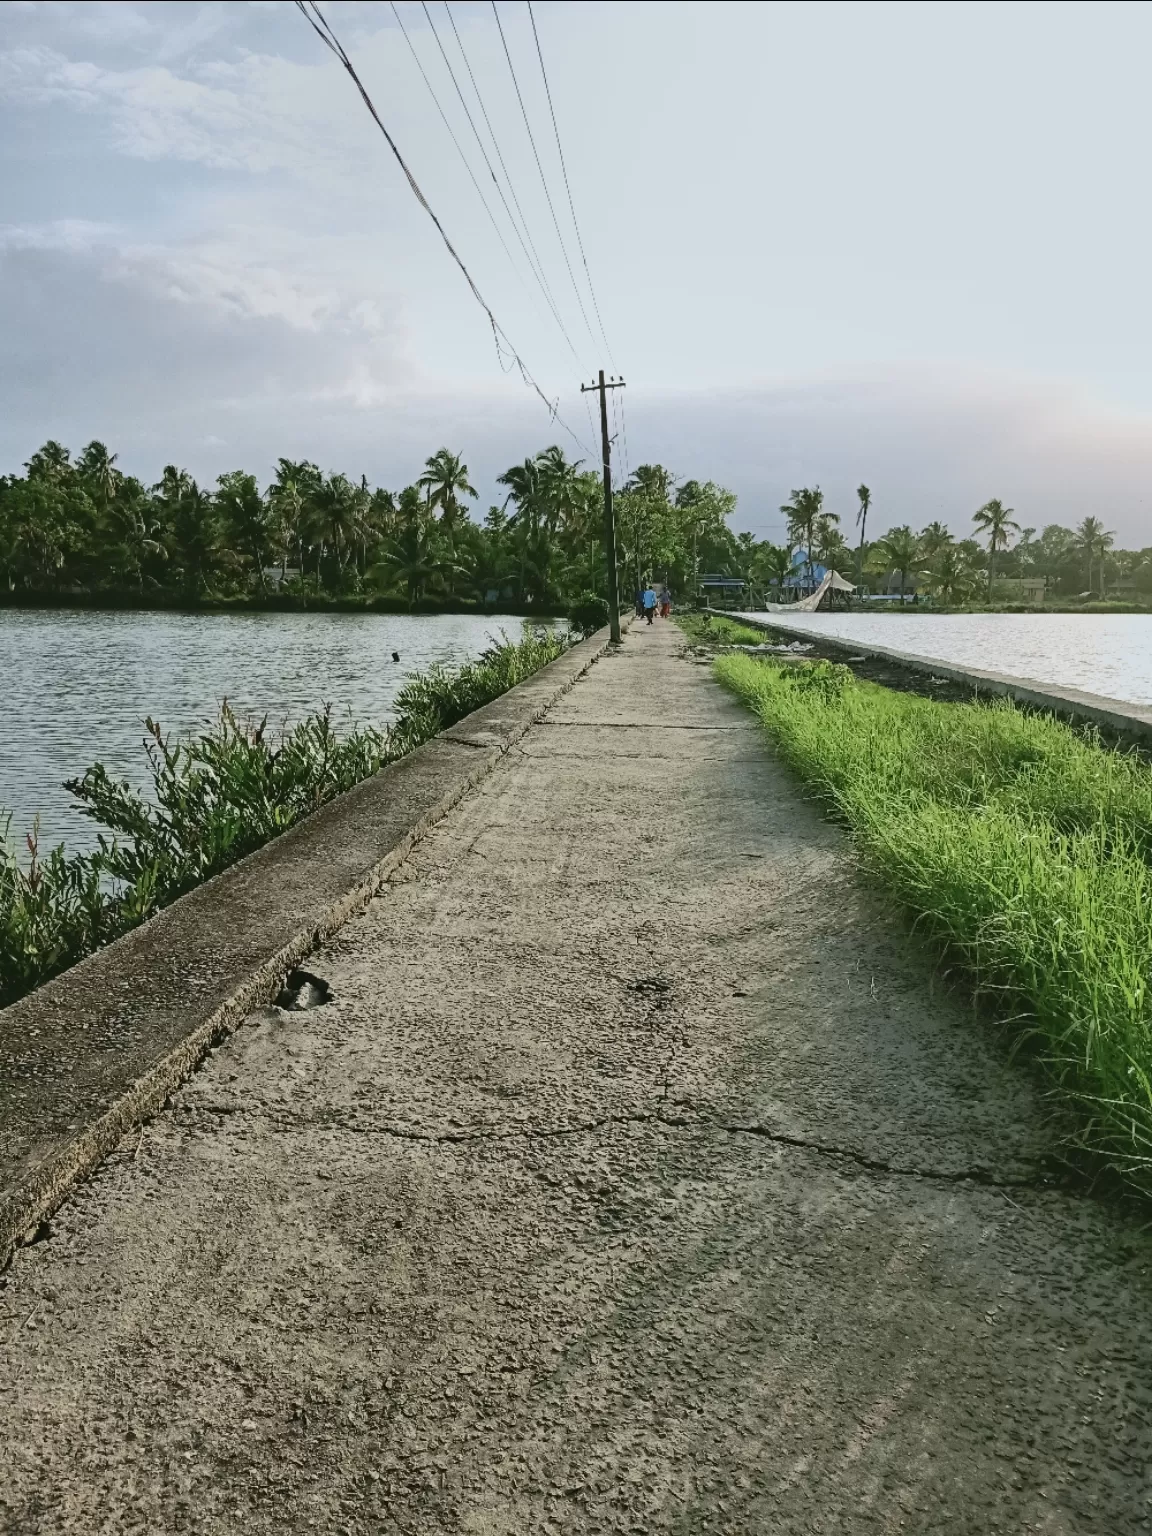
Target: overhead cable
{"points": [[530, 255], [455, 140], [543, 178], [539, 265], [312, 13], [567, 186]]}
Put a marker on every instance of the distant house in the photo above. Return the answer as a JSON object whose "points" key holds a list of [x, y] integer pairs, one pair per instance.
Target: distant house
{"points": [[723, 591], [1020, 589], [274, 576]]}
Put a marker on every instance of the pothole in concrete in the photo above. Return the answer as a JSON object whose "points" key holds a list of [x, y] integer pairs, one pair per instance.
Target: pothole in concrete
{"points": [[650, 984], [303, 990]]}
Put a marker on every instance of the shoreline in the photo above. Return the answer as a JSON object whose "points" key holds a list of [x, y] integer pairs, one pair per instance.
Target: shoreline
{"points": [[273, 603]]}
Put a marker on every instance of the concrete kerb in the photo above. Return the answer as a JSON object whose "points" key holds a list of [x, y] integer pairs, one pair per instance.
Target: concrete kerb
{"points": [[95, 1053], [1129, 720]]}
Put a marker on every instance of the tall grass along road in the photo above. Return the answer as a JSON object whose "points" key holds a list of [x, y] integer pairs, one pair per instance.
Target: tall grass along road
{"points": [[214, 799], [1018, 844]]}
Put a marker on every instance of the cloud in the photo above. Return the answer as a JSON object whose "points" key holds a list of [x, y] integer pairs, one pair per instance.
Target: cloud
{"points": [[931, 442], [135, 346]]}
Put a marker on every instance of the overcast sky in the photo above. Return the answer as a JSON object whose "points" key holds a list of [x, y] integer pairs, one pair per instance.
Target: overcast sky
{"points": [[904, 243]]}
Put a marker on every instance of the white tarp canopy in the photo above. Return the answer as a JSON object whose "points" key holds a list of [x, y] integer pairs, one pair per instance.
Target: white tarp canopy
{"points": [[833, 582]]}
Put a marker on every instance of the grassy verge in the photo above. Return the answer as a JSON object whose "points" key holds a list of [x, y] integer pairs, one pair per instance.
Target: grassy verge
{"points": [[1020, 845], [714, 631], [215, 798]]}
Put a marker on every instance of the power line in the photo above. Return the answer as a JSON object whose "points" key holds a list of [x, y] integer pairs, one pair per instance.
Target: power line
{"points": [[312, 13], [624, 430], [530, 256], [539, 266], [567, 185], [543, 178], [456, 141]]}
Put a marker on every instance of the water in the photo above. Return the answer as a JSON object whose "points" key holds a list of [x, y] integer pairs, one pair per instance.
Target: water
{"points": [[77, 686], [1109, 654]]}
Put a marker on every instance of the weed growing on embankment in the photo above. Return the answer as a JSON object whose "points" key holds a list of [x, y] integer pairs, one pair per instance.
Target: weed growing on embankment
{"points": [[214, 798], [1020, 844], [713, 630]]}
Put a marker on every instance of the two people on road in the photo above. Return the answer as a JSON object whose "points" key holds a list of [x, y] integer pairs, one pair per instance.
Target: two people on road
{"points": [[648, 603]]}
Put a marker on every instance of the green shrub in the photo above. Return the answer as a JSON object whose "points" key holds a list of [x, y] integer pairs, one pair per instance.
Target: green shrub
{"points": [[215, 798], [588, 614]]}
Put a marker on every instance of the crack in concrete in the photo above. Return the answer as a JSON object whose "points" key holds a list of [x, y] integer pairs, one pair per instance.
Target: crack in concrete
{"points": [[973, 1174], [641, 725], [978, 1174]]}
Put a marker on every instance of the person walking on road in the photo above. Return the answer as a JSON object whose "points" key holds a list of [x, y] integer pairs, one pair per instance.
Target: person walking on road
{"points": [[665, 602], [649, 602]]}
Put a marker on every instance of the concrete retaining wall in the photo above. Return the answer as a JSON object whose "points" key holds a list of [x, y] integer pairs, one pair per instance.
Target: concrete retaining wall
{"points": [[93, 1053], [1133, 720]]}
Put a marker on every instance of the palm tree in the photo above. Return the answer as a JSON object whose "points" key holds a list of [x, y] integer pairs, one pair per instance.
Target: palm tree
{"points": [[865, 496], [558, 485], [995, 519], [98, 467], [950, 575], [831, 550], [336, 503], [245, 516], [412, 555], [1094, 541], [445, 480], [803, 509], [933, 539], [774, 564], [900, 548]]}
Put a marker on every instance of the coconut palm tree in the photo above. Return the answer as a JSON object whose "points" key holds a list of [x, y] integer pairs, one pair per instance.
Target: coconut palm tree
{"points": [[98, 468], [412, 557], [933, 539], [803, 509], [865, 498], [1093, 541], [995, 519], [950, 575], [901, 549], [444, 481], [773, 564]]}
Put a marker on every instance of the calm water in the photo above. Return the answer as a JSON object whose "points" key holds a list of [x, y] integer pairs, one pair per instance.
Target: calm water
{"points": [[76, 686], [1109, 654]]}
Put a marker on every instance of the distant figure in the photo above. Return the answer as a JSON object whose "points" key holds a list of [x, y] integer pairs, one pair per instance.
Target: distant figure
{"points": [[639, 602], [665, 602], [395, 655], [649, 603]]}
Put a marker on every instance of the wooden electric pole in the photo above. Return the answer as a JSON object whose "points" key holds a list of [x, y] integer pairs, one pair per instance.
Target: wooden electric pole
{"points": [[609, 520]]}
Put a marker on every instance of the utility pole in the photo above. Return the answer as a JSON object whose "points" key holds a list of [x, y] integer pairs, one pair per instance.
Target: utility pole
{"points": [[609, 520]]}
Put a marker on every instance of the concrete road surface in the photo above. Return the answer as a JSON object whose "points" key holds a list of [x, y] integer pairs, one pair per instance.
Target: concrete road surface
{"points": [[640, 1176]]}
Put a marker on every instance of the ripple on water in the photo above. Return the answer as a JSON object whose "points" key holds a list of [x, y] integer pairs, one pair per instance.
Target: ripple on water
{"points": [[79, 685]]}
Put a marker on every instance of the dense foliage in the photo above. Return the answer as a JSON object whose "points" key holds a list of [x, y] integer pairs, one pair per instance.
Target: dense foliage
{"points": [[1021, 845], [82, 527], [214, 798], [1080, 563]]}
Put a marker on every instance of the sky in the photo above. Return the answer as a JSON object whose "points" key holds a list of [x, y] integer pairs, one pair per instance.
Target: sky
{"points": [[902, 244]]}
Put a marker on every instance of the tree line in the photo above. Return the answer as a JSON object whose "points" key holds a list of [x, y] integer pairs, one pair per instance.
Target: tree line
{"points": [[83, 526], [1081, 561]]}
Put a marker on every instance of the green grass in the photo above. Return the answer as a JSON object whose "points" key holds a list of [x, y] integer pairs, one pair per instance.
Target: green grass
{"points": [[1020, 845], [215, 798], [716, 631]]}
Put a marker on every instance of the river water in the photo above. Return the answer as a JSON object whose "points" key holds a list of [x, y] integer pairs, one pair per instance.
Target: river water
{"points": [[76, 686], [1109, 654]]}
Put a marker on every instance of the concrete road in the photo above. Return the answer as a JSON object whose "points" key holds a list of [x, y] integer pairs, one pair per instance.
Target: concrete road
{"points": [[639, 1177]]}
